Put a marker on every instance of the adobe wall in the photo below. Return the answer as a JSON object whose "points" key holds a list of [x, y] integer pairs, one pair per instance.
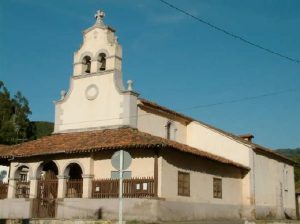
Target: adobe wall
{"points": [[213, 141], [200, 204], [142, 164], [17, 208], [156, 125], [274, 188]]}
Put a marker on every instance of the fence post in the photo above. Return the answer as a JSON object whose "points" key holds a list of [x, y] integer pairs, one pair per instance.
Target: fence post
{"points": [[155, 173]]}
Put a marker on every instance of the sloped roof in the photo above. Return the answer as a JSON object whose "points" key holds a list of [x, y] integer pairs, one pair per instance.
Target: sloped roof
{"points": [[257, 148], [92, 141]]}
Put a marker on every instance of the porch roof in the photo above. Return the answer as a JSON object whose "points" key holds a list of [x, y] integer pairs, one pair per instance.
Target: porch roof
{"points": [[93, 141]]}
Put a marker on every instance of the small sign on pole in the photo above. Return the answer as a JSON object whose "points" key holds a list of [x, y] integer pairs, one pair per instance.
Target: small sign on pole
{"points": [[121, 161]]}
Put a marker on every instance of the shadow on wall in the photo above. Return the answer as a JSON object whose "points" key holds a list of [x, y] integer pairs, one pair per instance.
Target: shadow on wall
{"points": [[200, 164]]}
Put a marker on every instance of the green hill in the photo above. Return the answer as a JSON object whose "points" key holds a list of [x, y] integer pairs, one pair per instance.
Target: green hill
{"points": [[40, 129]]}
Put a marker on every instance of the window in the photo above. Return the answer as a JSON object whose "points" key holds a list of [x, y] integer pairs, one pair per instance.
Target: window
{"points": [[217, 185], [286, 180], [168, 127], [23, 176], [102, 61], [183, 183], [170, 131], [86, 64]]}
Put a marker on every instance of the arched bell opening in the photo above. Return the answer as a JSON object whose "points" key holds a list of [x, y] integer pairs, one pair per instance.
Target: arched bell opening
{"points": [[102, 62], [86, 64]]}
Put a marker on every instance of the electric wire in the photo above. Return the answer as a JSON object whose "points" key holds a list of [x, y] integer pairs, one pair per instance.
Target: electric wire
{"points": [[238, 37], [249, 98]]}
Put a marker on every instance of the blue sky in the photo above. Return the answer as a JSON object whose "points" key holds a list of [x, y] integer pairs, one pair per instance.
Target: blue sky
{"points": [[172, 59]]}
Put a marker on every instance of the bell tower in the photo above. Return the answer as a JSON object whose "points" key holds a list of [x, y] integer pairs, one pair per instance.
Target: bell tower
{"points": [[97, 98], [100, 51]]}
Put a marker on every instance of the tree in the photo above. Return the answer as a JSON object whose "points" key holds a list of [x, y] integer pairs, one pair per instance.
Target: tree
{"points": [[14, 122]]}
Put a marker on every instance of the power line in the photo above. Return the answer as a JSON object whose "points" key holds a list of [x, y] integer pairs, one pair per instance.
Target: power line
{"points": [[231, 34], [196, 106], [241, 99]]}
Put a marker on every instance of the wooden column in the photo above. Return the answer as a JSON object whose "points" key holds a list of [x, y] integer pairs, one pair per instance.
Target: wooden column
{"points": [[155, 173]]}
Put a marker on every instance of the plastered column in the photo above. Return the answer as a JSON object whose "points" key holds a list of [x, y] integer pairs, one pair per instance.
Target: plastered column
{"points": [[11, 188], [87, 185], [33, 187], [62, 186]]}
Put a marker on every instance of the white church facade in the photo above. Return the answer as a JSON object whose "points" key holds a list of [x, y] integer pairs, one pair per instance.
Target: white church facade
{"points": [[182, 169]]}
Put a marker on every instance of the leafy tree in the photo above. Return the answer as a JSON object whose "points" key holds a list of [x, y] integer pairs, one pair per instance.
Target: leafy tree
{"points": [[14, 122]]}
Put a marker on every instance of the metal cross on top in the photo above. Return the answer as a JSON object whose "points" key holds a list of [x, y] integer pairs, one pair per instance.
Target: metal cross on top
{"points": [[99, 16]]}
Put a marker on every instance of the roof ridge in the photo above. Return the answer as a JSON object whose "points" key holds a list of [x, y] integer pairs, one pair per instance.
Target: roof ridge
{"points": [[226, 133]]}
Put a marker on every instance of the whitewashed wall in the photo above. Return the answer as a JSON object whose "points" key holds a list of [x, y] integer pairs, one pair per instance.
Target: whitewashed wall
{"points": [[156, 125], [274, 188], [201, 173]]}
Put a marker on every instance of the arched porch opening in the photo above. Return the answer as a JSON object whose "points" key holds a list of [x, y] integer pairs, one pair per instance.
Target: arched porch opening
{"points": [[22, 182], [44, 206], [74, 183], [47, 171]]}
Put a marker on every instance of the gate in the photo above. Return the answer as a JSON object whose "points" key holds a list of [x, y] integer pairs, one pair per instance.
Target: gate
{"points": [[44, 206]]}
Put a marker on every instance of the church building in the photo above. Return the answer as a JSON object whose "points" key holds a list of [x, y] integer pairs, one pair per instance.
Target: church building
{"points": [[181, 168]]}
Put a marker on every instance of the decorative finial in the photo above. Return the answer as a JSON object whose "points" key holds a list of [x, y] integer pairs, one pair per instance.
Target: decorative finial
{"points": [[99, 17], [62, 94], [130, 83]]}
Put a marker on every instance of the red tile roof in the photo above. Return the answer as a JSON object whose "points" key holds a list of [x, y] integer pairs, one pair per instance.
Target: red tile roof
{"points": [[257, 148], [92, 141]]}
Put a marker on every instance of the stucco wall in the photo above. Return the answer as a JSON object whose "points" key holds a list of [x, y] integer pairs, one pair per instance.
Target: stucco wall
{"points": [[210, 140], [134, 209], [274, 190], [18, 208], [149, 210], [201, 173], [156, 125], [142, 164], [78, 112]]}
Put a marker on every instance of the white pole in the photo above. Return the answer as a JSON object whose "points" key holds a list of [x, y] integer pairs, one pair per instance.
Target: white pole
{"points": [[121, 188]]}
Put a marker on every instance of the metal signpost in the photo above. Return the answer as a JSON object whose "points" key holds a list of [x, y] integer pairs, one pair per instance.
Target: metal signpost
{"points": [[121, 160], [121, 188]]}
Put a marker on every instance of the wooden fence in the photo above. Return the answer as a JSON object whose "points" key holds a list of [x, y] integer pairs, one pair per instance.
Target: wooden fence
{"points": [[44, 206], [132, 188], [22, 189], [3, 190], [74, 188]]}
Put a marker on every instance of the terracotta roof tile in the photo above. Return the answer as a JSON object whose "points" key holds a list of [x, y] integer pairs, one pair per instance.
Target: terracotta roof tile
{"points": [[257, 148], [90, 141]]}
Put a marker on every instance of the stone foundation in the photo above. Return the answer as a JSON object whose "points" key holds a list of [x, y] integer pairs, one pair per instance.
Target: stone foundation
{"points": [[147, 210]]}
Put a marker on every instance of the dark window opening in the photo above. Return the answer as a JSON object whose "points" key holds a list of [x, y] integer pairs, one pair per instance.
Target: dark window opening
{"points": [[102, 61], [183, 183], [217, 187], [86, 64]]}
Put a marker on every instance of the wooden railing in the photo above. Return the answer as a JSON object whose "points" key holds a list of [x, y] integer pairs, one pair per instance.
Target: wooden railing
{"points": [[22, 189], [74, 188], [3, 190], [132, 188]]}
